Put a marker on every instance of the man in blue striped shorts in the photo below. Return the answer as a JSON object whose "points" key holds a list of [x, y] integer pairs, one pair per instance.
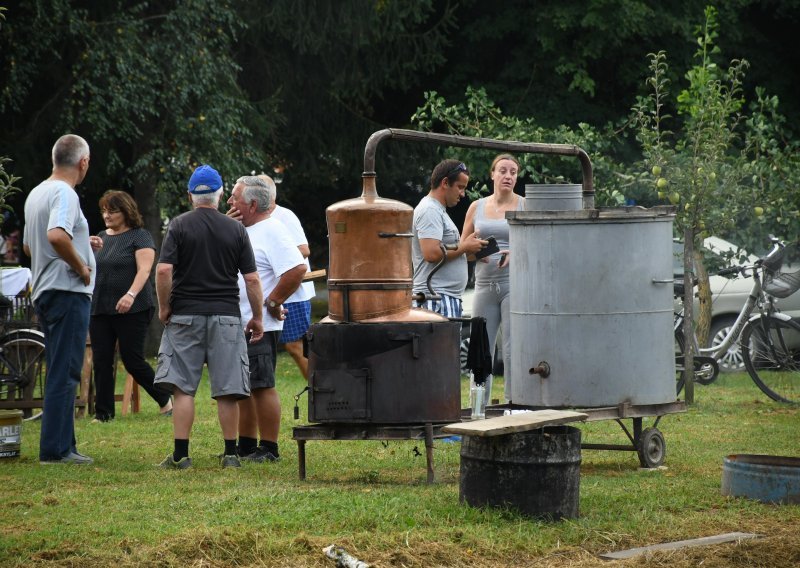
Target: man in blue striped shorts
{"points": [[431, 228], [298, 305]]}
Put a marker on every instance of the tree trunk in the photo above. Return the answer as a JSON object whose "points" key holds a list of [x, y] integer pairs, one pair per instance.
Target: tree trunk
{"points": [[704, 298], [145, 193]]}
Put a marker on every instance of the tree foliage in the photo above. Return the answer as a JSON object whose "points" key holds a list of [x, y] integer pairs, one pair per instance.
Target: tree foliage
{"points": [[152, 85], [7, 181], [718, 166], [480, 117], [724, 163], [336, 71]]}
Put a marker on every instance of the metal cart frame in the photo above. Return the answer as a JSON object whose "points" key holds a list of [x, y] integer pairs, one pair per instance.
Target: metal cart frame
{"points": [[648, 443]]}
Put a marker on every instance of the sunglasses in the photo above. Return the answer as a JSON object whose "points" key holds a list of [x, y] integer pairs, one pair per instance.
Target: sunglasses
{"points": [[460, 167]]}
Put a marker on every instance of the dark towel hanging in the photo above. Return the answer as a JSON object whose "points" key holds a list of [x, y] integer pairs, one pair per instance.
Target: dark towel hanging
{"points": [[479, 357]]}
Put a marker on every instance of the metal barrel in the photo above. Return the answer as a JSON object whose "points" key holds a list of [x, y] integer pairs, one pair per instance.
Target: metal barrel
{"points": [[553, 197], [769, 479], [536, 472], [592, 305]]}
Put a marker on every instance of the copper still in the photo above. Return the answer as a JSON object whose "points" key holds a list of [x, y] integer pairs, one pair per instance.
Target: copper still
{"points": [[375, 359], [370, 273]]}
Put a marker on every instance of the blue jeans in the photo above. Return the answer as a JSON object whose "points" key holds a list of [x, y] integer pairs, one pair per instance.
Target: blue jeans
{"points": [[64, 317]]}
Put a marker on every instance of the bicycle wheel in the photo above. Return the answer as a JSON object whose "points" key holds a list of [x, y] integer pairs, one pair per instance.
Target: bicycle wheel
{"points": [[771, 353], [23, 365], [731, 360]]}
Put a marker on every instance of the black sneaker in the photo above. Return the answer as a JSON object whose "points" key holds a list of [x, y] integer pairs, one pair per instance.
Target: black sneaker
{"points": [[260, 455], [170, 463], [230, 461]]}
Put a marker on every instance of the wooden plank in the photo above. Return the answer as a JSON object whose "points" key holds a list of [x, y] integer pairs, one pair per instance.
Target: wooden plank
{"points": [[519, 422], [704, 541], [315, 275]]}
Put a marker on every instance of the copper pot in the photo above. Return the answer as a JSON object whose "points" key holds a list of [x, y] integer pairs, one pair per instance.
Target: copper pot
{"points": [[370, 271]]}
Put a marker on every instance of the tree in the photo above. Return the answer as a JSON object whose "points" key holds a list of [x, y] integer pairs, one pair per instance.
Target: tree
{"points": [[335, 72], [717, 168], [480, 117], [151, 85]]}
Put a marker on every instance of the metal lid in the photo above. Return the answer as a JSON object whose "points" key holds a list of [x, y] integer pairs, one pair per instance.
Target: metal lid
{"points": [[613, 214]]}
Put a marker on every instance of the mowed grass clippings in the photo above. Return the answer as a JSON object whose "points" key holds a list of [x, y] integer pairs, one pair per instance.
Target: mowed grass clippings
{"points": [[371, 497]]}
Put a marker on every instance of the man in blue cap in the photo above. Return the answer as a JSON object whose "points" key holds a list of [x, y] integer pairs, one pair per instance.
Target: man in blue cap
{"points": [[198, 303]]}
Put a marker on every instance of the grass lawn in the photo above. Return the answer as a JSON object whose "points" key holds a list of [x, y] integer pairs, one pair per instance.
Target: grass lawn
{"points": [[372, 499]]}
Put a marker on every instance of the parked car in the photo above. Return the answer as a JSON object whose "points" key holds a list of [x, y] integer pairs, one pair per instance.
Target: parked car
{"points": [[728, 295]]}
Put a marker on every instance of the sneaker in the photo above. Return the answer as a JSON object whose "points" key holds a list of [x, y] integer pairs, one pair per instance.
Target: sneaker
{"points": [[170, 463], [230, 461], [71, 458], [169, 408], [260, 455]]}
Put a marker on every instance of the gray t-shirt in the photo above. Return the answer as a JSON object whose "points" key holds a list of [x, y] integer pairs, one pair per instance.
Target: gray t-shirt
{"points": [[432, 222], [50, 205]]}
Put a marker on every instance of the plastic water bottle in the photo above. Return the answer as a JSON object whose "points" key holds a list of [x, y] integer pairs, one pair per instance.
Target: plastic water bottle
{"points": [[478, 396]]}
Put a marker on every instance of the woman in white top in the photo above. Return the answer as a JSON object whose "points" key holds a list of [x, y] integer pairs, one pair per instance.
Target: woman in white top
{"points": [[487, 215]]}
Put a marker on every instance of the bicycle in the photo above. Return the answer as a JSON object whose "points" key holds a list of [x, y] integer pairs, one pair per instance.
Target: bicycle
{"points": [[22, 356], [769, 340]]}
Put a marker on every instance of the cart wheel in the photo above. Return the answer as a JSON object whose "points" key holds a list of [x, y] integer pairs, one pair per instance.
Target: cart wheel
{"points": [[651, 448]]}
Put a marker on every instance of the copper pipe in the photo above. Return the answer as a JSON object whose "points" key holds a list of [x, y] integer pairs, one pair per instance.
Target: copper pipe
{"points": [[470, 142]]}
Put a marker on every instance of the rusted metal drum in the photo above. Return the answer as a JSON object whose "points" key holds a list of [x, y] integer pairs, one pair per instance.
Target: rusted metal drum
{"points": [[535, 472], [384, 373], [370, 270], [765, 478]]}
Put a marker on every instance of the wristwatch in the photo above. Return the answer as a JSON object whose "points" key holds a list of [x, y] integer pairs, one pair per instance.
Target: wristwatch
{"points": [[272, 303]]}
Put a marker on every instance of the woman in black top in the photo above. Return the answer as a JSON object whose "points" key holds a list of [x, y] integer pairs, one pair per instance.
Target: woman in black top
{"points": [[122, 303]]}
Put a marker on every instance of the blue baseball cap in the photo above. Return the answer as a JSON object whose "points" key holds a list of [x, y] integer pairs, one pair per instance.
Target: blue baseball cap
{"points": [[205, 176]]}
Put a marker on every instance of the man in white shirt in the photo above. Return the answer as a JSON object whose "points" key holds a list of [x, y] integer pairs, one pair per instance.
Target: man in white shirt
{"points": [[281, 269], [298, 318]]}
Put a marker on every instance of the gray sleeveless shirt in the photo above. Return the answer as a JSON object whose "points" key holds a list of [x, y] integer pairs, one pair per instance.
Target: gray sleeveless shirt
{"points": [[486, 272]]}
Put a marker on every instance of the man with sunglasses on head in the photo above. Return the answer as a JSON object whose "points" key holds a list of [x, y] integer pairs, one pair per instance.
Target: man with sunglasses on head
{"points": [[432, 227]]}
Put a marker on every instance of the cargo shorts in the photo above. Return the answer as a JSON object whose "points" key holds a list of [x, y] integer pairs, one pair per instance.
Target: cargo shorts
{"points": [[190, 341], [263, 358]]}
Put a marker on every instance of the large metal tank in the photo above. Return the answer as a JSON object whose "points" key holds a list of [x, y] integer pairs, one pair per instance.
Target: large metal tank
{"points": [[592, 307]]}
